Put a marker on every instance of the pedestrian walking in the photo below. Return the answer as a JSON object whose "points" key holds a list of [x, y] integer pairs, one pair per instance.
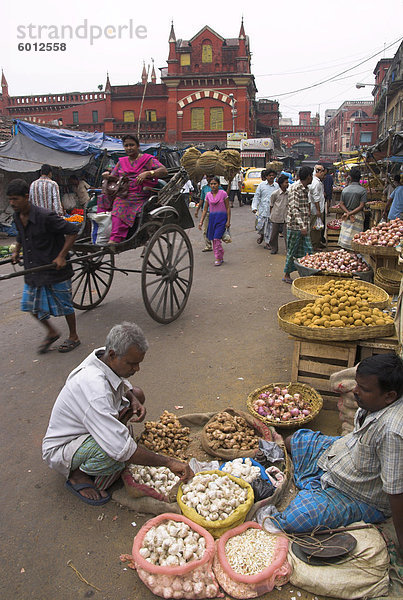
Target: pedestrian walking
{"points": [[278, 213], [204, 191], [261, 206], [234, 190], [298, 219], [44, 238], [220, 218], [44, 192], [317, 199]]}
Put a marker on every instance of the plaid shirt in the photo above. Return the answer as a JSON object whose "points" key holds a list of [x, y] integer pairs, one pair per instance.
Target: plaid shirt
{"points": [[367, 463], [298, 216]]}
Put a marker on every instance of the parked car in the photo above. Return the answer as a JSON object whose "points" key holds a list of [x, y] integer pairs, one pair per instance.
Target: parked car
{"points": [[251, 181]]}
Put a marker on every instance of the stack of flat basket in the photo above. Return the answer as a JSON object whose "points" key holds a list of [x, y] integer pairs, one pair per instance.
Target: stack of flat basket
{"points": [[388, 279]]}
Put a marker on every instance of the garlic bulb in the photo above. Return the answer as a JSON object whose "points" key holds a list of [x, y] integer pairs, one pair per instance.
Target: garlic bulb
{"points": [[161, 479], [244, 469], [172, 544], [214, 497]]}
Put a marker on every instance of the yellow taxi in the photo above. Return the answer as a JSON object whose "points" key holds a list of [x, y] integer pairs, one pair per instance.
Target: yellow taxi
{"points": [[250, 182]]}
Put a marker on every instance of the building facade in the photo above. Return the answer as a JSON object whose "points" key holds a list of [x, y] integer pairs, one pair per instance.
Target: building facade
{"points": [[206, 91], [353, 125], [388, 94], [303, 139]]}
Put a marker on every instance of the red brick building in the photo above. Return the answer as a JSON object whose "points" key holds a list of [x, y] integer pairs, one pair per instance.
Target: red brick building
{"points": [[304, 138], [352, 126], [207, 90]]}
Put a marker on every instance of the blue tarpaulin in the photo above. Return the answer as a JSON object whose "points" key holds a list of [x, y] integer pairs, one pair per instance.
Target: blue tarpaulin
{"points": [[76, 142]]}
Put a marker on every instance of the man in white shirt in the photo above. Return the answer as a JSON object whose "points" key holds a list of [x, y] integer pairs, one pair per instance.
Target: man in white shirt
{"points": [[86, 440], [261, 206], [234, 189], [317, 199]]}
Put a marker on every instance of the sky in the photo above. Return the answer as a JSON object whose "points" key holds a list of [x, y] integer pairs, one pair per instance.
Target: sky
{"points": [[295, 48]]}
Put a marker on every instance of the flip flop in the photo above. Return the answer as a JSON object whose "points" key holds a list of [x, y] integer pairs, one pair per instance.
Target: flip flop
{"points": [[68, 345], [287, 280], [44, 347], [75, 488]]}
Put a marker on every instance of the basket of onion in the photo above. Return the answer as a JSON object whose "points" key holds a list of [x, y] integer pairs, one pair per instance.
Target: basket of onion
{"points": [[380, 240], [340, 263], [285, 404]]}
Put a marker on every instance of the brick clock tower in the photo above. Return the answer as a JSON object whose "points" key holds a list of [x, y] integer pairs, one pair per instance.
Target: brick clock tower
{"points": [[210, 87]]}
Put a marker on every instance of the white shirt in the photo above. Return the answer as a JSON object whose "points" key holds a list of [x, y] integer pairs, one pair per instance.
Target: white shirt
{"points": [[316, 193], [261, 199], [188, 187], [236, 181], [89, 404]]}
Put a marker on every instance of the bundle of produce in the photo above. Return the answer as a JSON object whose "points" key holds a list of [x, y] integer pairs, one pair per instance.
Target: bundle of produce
{"points": [[189, 162], [249, 562], [75, 219], [174, 556], [276, 165], [226, 163], [166, 436], [215, 500], [280, 405], [229, 436], [337, 261], [157, 482], [245, 468], [330, 312], [230, 162], [343, 382], [5, 251], [334, 224], [383, 234]]}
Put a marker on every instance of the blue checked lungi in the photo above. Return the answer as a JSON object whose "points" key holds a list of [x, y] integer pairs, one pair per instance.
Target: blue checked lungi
{"points": [[298, 245], [47, 300], [314, 507], [92, 460]]}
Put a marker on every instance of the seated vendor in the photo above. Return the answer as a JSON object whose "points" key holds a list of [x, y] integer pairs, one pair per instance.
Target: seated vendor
{"points": [[358, 476], [86, 440]]}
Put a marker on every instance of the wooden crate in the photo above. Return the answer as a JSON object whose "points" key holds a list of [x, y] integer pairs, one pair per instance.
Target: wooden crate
{"points": [[379, 346], [332, 239], [314, 362]]}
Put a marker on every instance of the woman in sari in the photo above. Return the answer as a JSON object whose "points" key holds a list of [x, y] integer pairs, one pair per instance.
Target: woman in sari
{"points": [[143, 171]]}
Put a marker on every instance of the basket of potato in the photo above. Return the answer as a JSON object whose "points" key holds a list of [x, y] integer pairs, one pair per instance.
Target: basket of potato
{"points": [[330, 319], [317, 286]]}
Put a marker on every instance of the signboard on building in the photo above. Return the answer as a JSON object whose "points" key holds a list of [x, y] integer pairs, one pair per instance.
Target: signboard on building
{"points": [[234, 139], [257, 144]]}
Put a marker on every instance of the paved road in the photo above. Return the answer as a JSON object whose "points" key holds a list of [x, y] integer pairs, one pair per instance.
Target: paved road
{"points": [[225, 344]]}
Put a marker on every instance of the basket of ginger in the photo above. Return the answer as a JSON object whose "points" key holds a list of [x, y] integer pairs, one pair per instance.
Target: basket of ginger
{"points": [[330, 319]]}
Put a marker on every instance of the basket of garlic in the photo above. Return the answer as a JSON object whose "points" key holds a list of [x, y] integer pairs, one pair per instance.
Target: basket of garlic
{"points": [[249, 562], [215, 500], [173, 557], [158, 482]]}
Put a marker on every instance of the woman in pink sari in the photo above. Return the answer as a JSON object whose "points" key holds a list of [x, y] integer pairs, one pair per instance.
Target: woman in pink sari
{"points": [[143, 171]]}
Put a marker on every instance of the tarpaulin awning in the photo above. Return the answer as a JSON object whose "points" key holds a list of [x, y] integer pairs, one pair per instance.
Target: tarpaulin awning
{"points": [[23, 155], [253, 154]]}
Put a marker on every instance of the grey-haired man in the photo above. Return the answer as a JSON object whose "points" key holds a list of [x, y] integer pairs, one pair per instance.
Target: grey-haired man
{"points": [[86, 440]]}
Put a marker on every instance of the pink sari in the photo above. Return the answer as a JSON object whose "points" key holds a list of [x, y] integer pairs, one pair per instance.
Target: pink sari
{"points": [[126, 209]]}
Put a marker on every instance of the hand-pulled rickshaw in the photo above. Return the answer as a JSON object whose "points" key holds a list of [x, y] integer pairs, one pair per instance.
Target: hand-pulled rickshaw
{"points": [[167, 267]]}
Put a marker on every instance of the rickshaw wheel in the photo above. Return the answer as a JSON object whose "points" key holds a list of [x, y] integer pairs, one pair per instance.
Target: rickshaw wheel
{"points": [[92, 279], [167, 273]]}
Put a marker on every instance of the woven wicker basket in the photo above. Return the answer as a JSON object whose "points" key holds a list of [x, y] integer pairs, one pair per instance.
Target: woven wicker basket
{"points": [[304, 288], [374, 250], [308, 394], [332, 334], [390, 275], [377, 205]]}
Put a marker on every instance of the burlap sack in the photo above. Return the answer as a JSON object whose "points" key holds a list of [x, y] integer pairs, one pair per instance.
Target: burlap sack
{"points": [[262, 431]]}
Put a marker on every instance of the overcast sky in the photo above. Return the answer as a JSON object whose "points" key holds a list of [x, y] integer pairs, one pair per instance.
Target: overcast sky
{"points": [[292, 47]]}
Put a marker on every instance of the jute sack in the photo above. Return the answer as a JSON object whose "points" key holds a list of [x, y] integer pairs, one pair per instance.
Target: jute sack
{"points": [[363, 574], [261, 430]]}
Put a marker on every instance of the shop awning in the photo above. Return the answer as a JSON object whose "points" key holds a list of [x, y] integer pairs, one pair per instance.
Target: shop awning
{"points": [[253, 154]]}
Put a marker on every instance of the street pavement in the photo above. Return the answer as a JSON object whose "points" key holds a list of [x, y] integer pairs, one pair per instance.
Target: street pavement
{"points": [[225, 344]]}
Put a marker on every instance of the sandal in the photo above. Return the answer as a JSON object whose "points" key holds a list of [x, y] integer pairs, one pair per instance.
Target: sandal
{"points": [[287, 279], [45, 346], [217, 263], [68, 345]]}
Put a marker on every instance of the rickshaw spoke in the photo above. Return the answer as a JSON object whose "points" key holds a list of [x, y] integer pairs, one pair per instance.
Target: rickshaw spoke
{"points": [[161, 298], [84, 289], [162, 278], [79, 284], [157, 257], [96, 285], [183, 290], [174, 295], [156, 291], [176, 259], [100, 279], [164, 308]]}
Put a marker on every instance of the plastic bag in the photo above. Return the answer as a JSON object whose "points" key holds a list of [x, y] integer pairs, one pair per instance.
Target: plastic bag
{"points": [[217, 528], [101, 227], [250, 586], [262, 488], [318, 224], [193, 580], [269, 453], [227, 236]]}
